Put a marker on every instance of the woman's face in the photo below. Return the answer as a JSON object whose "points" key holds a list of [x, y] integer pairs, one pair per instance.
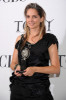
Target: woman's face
{"points": [[33, 19]]}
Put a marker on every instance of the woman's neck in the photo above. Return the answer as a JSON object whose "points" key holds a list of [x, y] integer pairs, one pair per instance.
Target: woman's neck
{"points": [[34, 32]]}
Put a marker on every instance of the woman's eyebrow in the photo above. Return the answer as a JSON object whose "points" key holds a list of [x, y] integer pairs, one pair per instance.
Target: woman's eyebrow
{"points": [[32, 15]]}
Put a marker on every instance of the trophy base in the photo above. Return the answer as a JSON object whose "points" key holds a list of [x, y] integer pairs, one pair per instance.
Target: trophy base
{"points": [[20, 71]]}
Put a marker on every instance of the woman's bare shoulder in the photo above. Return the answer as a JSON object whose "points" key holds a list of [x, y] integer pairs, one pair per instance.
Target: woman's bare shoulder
{"points": [[19, 37]]}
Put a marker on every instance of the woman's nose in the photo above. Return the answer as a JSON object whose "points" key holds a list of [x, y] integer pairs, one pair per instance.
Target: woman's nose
{"points": [[31, 19]]}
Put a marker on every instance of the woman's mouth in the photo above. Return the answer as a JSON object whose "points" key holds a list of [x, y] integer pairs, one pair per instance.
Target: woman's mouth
{"points": [[31, 24]]}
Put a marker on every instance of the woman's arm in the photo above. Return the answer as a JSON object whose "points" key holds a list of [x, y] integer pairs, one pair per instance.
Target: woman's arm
{"points": [[53, 69], [54, 59], [15, 55]]}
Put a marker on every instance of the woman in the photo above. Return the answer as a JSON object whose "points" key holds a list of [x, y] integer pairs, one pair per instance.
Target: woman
{"points": [[31, 56]]}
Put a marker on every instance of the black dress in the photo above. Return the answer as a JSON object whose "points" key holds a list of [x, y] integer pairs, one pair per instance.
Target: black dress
{"points": [[34, 87]]}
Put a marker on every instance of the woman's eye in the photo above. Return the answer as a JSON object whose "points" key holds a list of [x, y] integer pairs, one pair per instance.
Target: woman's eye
{"points": [[27, 16], [32, 16], [35, 16]]}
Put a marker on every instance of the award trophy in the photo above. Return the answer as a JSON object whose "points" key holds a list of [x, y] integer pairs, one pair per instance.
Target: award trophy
{"points": [[25, 54]]}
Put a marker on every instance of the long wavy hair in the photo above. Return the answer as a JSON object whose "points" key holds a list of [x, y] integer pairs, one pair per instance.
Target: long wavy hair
{"points": [[41, 13]]}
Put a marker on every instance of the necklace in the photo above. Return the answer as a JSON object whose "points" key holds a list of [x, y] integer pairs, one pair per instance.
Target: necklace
{"points": [[34, 38]]}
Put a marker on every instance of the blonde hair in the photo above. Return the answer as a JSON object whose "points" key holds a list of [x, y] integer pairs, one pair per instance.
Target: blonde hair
{"points": [[41, 13]]}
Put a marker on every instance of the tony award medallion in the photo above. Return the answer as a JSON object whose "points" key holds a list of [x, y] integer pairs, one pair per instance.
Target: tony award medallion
{"points": [[25, 54]]}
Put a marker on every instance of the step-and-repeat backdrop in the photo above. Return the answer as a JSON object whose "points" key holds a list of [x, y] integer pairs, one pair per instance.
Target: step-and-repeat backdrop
{"points": [[11, 25]]}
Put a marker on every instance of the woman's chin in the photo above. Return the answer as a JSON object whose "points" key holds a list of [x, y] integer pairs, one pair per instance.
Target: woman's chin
{"points": [[32, 27]]}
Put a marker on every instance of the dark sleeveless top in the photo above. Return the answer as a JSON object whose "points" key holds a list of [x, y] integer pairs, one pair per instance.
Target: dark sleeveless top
{"points": [[39, 56]]}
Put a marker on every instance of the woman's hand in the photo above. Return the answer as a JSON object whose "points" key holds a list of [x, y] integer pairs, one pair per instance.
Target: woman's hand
{"points": [[29, 71], [17, 69]]}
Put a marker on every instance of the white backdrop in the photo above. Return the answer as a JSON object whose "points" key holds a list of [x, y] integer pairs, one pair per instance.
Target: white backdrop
{"points": [[11, 25]]}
